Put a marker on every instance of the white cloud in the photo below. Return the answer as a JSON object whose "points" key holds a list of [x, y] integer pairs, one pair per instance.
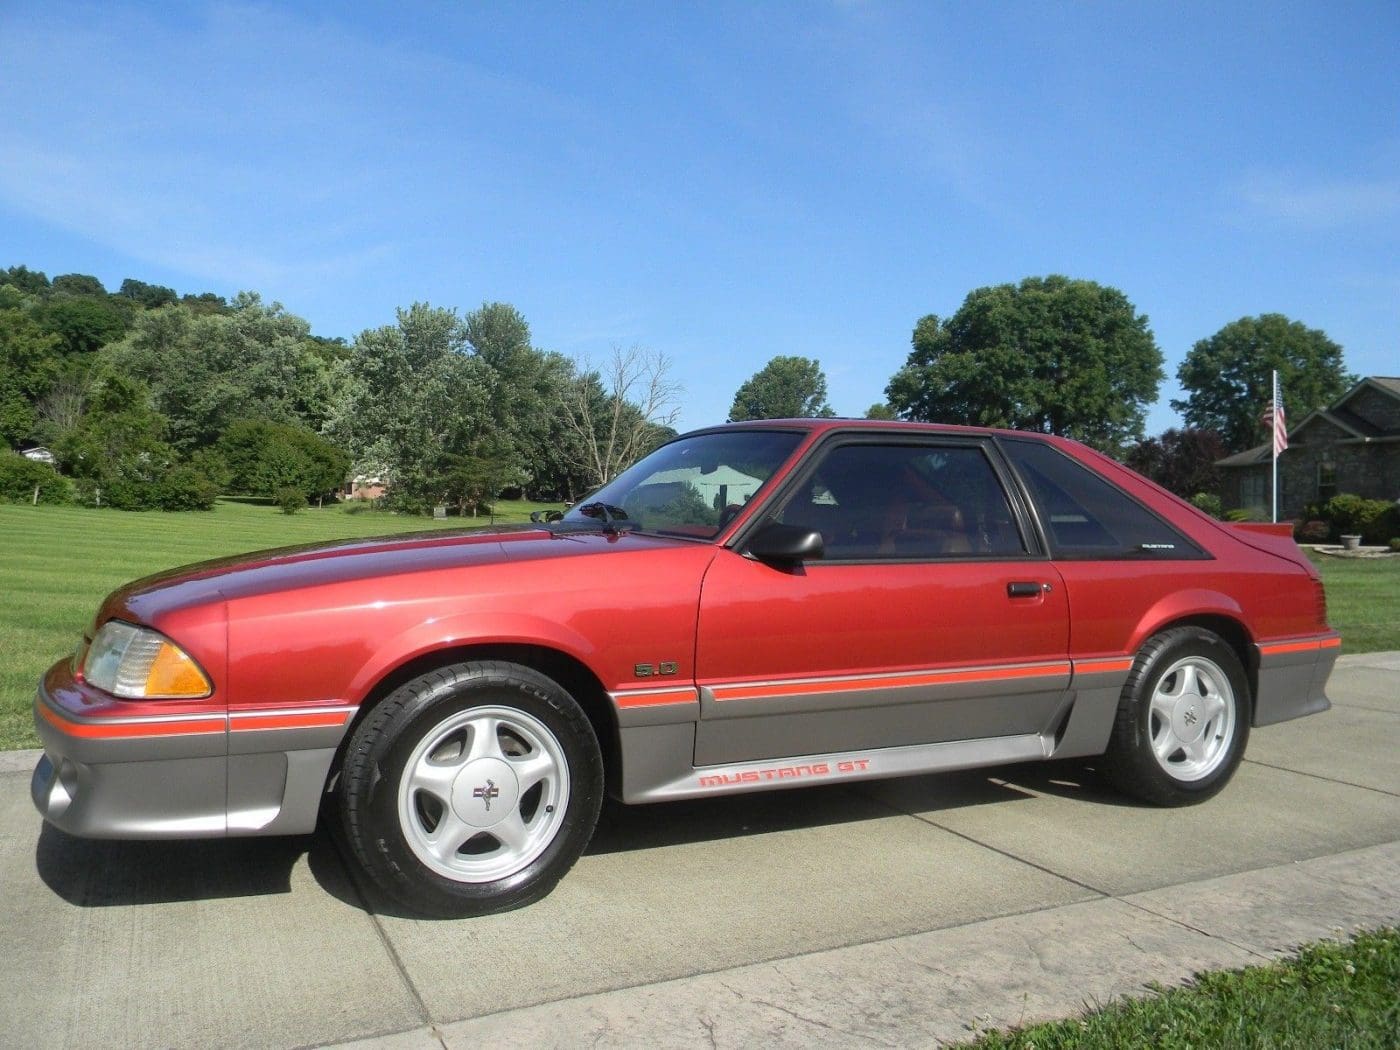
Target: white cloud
{"points": [[1322, 205]]}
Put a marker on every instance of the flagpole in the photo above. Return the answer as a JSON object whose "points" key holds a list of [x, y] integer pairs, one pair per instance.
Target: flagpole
{"points": [[1273, 443]]}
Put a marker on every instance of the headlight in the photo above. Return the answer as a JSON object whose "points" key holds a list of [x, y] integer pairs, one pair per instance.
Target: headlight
{"points": [[137, 663]]}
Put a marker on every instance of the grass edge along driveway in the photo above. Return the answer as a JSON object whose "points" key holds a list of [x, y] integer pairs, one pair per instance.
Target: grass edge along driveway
{"points": [[1328, 994]]}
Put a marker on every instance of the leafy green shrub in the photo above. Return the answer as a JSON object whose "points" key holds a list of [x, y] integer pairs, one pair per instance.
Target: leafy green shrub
{"points": [[262, 457], [290, 499], [1395, 545], [1371, 519], [210, 463], [405, 500], [19, 477], [1208, 502], [185, 488], [1312, 531]]}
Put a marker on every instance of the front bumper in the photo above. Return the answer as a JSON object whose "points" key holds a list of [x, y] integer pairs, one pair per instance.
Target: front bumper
{"points": [[117, 770], [114, 769]]}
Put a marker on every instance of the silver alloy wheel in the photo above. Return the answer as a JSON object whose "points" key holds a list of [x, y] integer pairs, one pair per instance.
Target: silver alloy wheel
{"points": [[483, 794], [1192, 718]]}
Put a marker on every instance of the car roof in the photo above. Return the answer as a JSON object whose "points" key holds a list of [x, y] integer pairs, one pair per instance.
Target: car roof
{"points": [[842, 423]]}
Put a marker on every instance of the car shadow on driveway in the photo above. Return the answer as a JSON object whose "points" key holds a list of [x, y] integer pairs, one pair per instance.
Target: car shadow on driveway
{"points": [[104, 873], [96, 873], [1070, 778]]}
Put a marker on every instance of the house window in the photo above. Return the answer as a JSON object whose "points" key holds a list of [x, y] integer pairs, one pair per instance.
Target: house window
{"points": [[1326, 481], [1254, 490]]}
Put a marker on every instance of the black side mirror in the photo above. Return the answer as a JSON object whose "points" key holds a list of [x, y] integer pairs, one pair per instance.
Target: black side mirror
{"points": [[776, 542]]}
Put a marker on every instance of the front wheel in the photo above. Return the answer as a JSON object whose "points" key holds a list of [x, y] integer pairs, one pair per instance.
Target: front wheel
{"points": [[1183, 719], [472, 789]]}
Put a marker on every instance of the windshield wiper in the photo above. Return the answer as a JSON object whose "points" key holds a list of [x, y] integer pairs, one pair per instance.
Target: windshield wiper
{"points": [[610, 514]]}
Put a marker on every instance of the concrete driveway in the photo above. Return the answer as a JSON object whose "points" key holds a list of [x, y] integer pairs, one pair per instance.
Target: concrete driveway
{"points": [[895, 913]]}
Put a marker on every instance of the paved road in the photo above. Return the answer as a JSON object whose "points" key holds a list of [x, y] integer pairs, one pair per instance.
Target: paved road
{"points": [[904, 912]]}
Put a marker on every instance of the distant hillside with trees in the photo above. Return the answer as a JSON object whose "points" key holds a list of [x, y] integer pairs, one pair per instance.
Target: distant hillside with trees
{"points": [[147, 398]]}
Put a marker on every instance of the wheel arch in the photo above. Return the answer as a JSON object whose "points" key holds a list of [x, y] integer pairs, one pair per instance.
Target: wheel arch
{"points": [[1230, 629], [571, 673]]}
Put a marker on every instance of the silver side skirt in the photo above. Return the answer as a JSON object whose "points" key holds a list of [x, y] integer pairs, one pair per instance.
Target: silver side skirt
{"points": [[700, 781]]}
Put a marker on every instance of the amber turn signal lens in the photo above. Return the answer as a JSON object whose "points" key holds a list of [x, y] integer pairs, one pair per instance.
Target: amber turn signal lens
{"points": [[174, 674]]}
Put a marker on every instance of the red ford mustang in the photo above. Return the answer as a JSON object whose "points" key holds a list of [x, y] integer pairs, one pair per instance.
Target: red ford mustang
{"points": [[752, 606]]}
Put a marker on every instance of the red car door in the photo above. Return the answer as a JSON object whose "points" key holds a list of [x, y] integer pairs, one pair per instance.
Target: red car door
{"points": [[932, 615]]}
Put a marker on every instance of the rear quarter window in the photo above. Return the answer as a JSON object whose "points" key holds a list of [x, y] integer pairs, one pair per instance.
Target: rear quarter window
{"points": [[1087, 517]]}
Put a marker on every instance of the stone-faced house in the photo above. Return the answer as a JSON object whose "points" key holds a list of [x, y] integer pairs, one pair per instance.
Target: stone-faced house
{"points": [[1351, 446]]}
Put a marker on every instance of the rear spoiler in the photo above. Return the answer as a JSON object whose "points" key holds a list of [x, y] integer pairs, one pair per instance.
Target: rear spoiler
{"points": [[1271, 538], [1268, 528]]}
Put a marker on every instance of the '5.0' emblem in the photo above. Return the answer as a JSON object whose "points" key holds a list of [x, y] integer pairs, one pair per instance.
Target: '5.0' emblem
{"points": [[487, 793]]}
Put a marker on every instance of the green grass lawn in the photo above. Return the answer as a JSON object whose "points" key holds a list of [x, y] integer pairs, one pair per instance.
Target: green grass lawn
{"points": [[58, 563], [1363, 601], [1329, 995]]}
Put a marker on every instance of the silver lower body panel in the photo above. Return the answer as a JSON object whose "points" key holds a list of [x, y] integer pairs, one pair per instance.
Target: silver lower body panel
{"points": [[837, 767]]}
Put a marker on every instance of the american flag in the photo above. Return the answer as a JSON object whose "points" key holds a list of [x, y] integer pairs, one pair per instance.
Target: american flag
{"points": [[1275, 419]]}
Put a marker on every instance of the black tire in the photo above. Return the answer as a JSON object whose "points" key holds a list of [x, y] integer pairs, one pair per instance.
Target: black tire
{"points": [[406, 793], [1181, 770]]}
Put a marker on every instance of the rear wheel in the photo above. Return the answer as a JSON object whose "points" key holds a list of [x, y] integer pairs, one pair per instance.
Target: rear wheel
{"points": [[472, 789], [1183, 719]]}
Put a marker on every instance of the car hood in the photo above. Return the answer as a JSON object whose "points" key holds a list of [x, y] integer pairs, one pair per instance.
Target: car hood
{"points": [[311, 565]]}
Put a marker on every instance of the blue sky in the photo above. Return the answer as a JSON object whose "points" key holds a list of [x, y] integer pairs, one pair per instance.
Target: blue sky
{"points": [[722, 183]]}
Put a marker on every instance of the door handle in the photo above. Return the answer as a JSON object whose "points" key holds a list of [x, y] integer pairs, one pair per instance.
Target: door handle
{"points": [[1025, 589]]}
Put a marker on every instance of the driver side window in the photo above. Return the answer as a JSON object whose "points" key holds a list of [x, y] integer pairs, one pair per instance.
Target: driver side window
{"points": [[906, 502]]}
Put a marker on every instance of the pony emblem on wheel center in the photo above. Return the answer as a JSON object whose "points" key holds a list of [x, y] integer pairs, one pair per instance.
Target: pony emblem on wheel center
{"points": [[487, 793]]}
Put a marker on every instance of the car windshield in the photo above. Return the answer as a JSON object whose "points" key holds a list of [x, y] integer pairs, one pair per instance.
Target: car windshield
{"points": [[693, 486]]}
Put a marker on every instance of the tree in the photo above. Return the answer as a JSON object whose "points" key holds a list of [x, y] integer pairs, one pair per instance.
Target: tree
{"points": [[61, 407], [620, 412], [31, 282], [28, 369], [784, 388], [475, 479], [1055, 355], [1181, 461], [118, 452], [205, 303], [880, 410], [414, 399], [78, 284], [151, 296], [208, 371], [83, 325], [527, 389], [1230, 383]]}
